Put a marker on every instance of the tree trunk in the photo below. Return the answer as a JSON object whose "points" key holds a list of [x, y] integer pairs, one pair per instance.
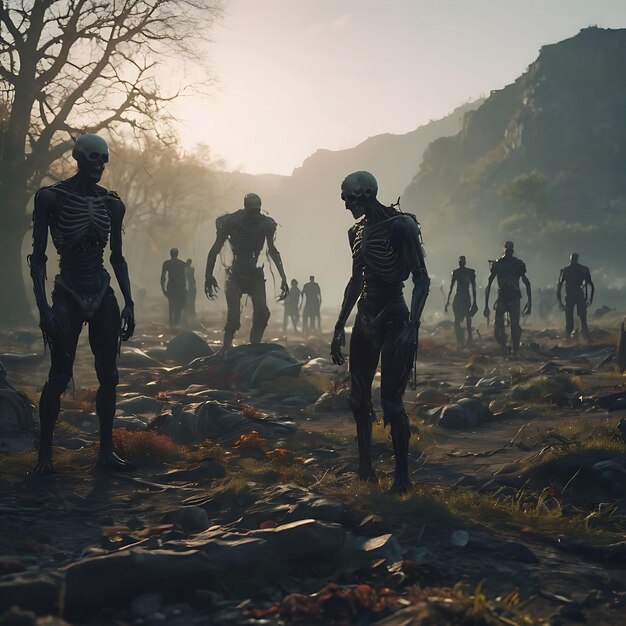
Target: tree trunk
{"points": [[15, 308]]}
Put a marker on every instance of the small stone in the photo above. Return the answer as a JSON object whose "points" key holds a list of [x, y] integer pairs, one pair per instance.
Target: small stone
{"points": [[459, 538], [192, 519], [146, 604]]}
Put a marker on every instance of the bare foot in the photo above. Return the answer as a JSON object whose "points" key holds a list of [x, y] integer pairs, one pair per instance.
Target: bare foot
{"points": [[44, 466]]}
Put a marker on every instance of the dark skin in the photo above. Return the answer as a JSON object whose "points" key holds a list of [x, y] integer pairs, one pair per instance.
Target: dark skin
{"points": [[372, 210], [462, 263], [492, 276], [210, 284], [83, 185]]}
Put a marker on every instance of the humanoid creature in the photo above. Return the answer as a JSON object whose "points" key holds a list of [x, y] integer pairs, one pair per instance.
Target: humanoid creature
{"points": [[577, 279], [508, 269], [173, 285], [463, 306], [291, 306], [386, 249], [82, 217], [312, 302], [190, 298], [247, 230]]}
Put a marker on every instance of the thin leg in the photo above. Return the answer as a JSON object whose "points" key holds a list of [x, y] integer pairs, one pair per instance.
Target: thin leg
{"points": [[104, 332], [498, 325], [582, 314], [260, 312], [364, 354], [569, 315], [516, 329], [233, 315], [394, 379], [62, 355]]}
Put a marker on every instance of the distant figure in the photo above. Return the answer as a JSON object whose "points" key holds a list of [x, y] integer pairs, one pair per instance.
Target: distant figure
{"points": [[577, 279], [508, 270], [291, 306], [247, 230], [463, 306], [190, 300], [312, 301], [174, 271]]}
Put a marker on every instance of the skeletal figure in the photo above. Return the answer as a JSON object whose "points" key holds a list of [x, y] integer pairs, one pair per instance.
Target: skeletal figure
{"points": [[81, 216], [173, 285], [386, 249], [312, 302], [577, 279], [247, 230], [462, 306], [508, 269]]}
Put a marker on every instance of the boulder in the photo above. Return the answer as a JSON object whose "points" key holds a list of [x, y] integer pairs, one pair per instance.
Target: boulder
{"points": [[362, 551], [192, 519], [140, 404], [186, 347], [17, 422], [136, 359], [466, 413]]}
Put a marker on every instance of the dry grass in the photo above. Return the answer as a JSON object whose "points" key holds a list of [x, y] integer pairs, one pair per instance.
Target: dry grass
{"points": [[142, 446]]}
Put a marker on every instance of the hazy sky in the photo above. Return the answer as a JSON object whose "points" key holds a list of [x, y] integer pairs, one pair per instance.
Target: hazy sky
{"points": [[297, 75]]}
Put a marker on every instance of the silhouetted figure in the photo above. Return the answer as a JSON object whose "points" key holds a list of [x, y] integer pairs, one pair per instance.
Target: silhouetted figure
{"points": [[83, 218], [463, 307], [311, 303], [190, 299], [291, 303], [173, 285], [247, 230], [508, 269], [386, 249], [577, 279]]}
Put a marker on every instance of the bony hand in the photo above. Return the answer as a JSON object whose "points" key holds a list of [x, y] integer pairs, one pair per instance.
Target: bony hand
{"points": [[339, 340], [48, 322], [284, 290], [527, 309], [210, 287], [128, 322], [445, 308]]}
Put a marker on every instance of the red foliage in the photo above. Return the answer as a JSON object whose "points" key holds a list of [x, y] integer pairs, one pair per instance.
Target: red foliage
{"points": [[144, 445]]}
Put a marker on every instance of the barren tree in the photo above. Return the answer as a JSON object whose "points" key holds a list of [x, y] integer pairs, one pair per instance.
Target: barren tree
{"points": [[73, 66]]}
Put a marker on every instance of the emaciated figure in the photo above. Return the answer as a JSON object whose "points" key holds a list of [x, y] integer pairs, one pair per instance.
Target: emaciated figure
{"points": [[463, 307], [247, 230], [190, 299], [291, 306], [577, 279], [386, 248], [312, 302], [508, 269], [82, 216], [173, 285]]}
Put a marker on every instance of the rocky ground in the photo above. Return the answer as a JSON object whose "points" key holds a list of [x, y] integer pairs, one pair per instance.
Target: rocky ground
{"points": [[245, 508]]}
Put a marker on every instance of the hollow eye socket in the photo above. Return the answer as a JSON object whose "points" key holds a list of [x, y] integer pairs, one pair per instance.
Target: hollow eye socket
{"points": [[350, 197], [94, 156]]}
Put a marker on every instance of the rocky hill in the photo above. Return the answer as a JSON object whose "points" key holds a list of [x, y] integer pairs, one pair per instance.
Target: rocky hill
{"points": [[313, 222], [541, 162]]}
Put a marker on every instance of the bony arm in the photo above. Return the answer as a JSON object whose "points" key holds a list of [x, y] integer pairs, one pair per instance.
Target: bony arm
{"points": [[278, 262], [120, 268]]}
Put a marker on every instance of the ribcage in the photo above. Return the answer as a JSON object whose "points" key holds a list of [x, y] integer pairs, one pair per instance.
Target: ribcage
{"points": [[81, 222], [379, 255]]}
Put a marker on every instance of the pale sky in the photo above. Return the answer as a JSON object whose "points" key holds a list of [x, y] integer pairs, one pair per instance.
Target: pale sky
{"points": [[297, 75]]}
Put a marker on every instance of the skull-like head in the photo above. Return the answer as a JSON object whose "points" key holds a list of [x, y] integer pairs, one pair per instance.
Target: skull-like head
{"points": [[462, 261], [574, 258], [252, 203], [356, 189], [91, 153]]}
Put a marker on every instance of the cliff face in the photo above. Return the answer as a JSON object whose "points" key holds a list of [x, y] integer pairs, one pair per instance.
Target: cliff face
{"points": [[313, 222], [542, 161]]}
